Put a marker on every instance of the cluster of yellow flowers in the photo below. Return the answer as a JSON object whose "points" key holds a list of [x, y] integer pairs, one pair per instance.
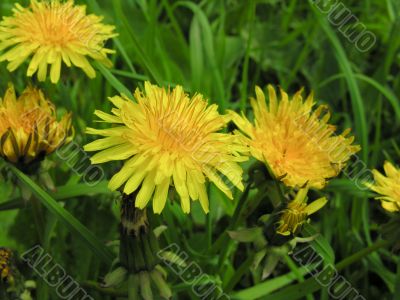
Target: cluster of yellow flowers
{"points": [[166, 137], [50, 32]]}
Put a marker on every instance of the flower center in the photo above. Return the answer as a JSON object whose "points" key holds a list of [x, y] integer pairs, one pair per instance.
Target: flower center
{"points": [[179, 137], [292, 217], [56, 31], [27, 120]]}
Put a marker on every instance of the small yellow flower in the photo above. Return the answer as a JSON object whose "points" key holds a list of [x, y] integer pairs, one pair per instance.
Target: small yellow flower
{"points": [[296, 143], [28, 126], [388, 187], [167, 139], [53, 32], [5, 259], [297, 212]]}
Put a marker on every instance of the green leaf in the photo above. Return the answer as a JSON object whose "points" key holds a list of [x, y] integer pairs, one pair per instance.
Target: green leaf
{"points": [[269, 286], [113, 80], [246, 235], [344, 64], [80, 189], [294, 292], [208, 43], [320, 244], [66, 218], [139, 51], [397, 283], [384, 90], [63, 193]]}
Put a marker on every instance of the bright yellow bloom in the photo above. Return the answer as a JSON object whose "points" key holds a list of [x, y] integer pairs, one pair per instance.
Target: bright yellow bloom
{"points": [[296, 143], [28, 126], [168, 139], [297, 212], [53, 32], [387, 186]]}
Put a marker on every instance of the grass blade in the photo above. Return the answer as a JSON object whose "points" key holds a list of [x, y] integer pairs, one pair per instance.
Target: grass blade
{"points": [[356, 100], [66, 218], [113, 80]]}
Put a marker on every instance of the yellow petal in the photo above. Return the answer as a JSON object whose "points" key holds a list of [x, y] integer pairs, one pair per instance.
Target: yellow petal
{"points": [[118, 152], [301, 196], [134, 181], [107, 117], [42, 73], [56, 69], [104, 143], [315, 205], [203, 197], [123, 175], [390, 206], [213, 176], [160, 196], [390, 170], [145, 193]]}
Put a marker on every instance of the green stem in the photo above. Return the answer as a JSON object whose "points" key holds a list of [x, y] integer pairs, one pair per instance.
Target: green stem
{"points": [[234, 222], [397, 282], [292, 266], [222, 239], [279, 189], [209, 230], [244, 267], [174, 22], [38, 218], [361, 254], [140, 52], [245, 72], [311, 285], [138, 246], [236, 215], [277, 183]]}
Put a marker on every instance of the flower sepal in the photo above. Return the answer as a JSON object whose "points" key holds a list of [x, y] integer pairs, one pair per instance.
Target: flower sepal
{"points": [[115, 278], [138, 259]]}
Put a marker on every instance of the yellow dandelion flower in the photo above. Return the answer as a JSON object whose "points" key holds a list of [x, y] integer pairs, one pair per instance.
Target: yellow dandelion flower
{"points": [[28, 126], [387, 186], [53, 32], [168, 139], [297, 212], [296, 143]]}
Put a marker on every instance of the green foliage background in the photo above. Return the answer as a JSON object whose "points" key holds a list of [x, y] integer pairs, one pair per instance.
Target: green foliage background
{"points": [[222, 49]]}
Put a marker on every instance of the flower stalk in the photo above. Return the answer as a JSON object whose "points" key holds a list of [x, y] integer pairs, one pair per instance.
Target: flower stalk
{"points": [[138, 260], [138, 246]]}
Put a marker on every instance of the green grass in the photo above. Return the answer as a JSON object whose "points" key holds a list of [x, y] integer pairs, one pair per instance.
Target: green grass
{"points": [[222, 49]]}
